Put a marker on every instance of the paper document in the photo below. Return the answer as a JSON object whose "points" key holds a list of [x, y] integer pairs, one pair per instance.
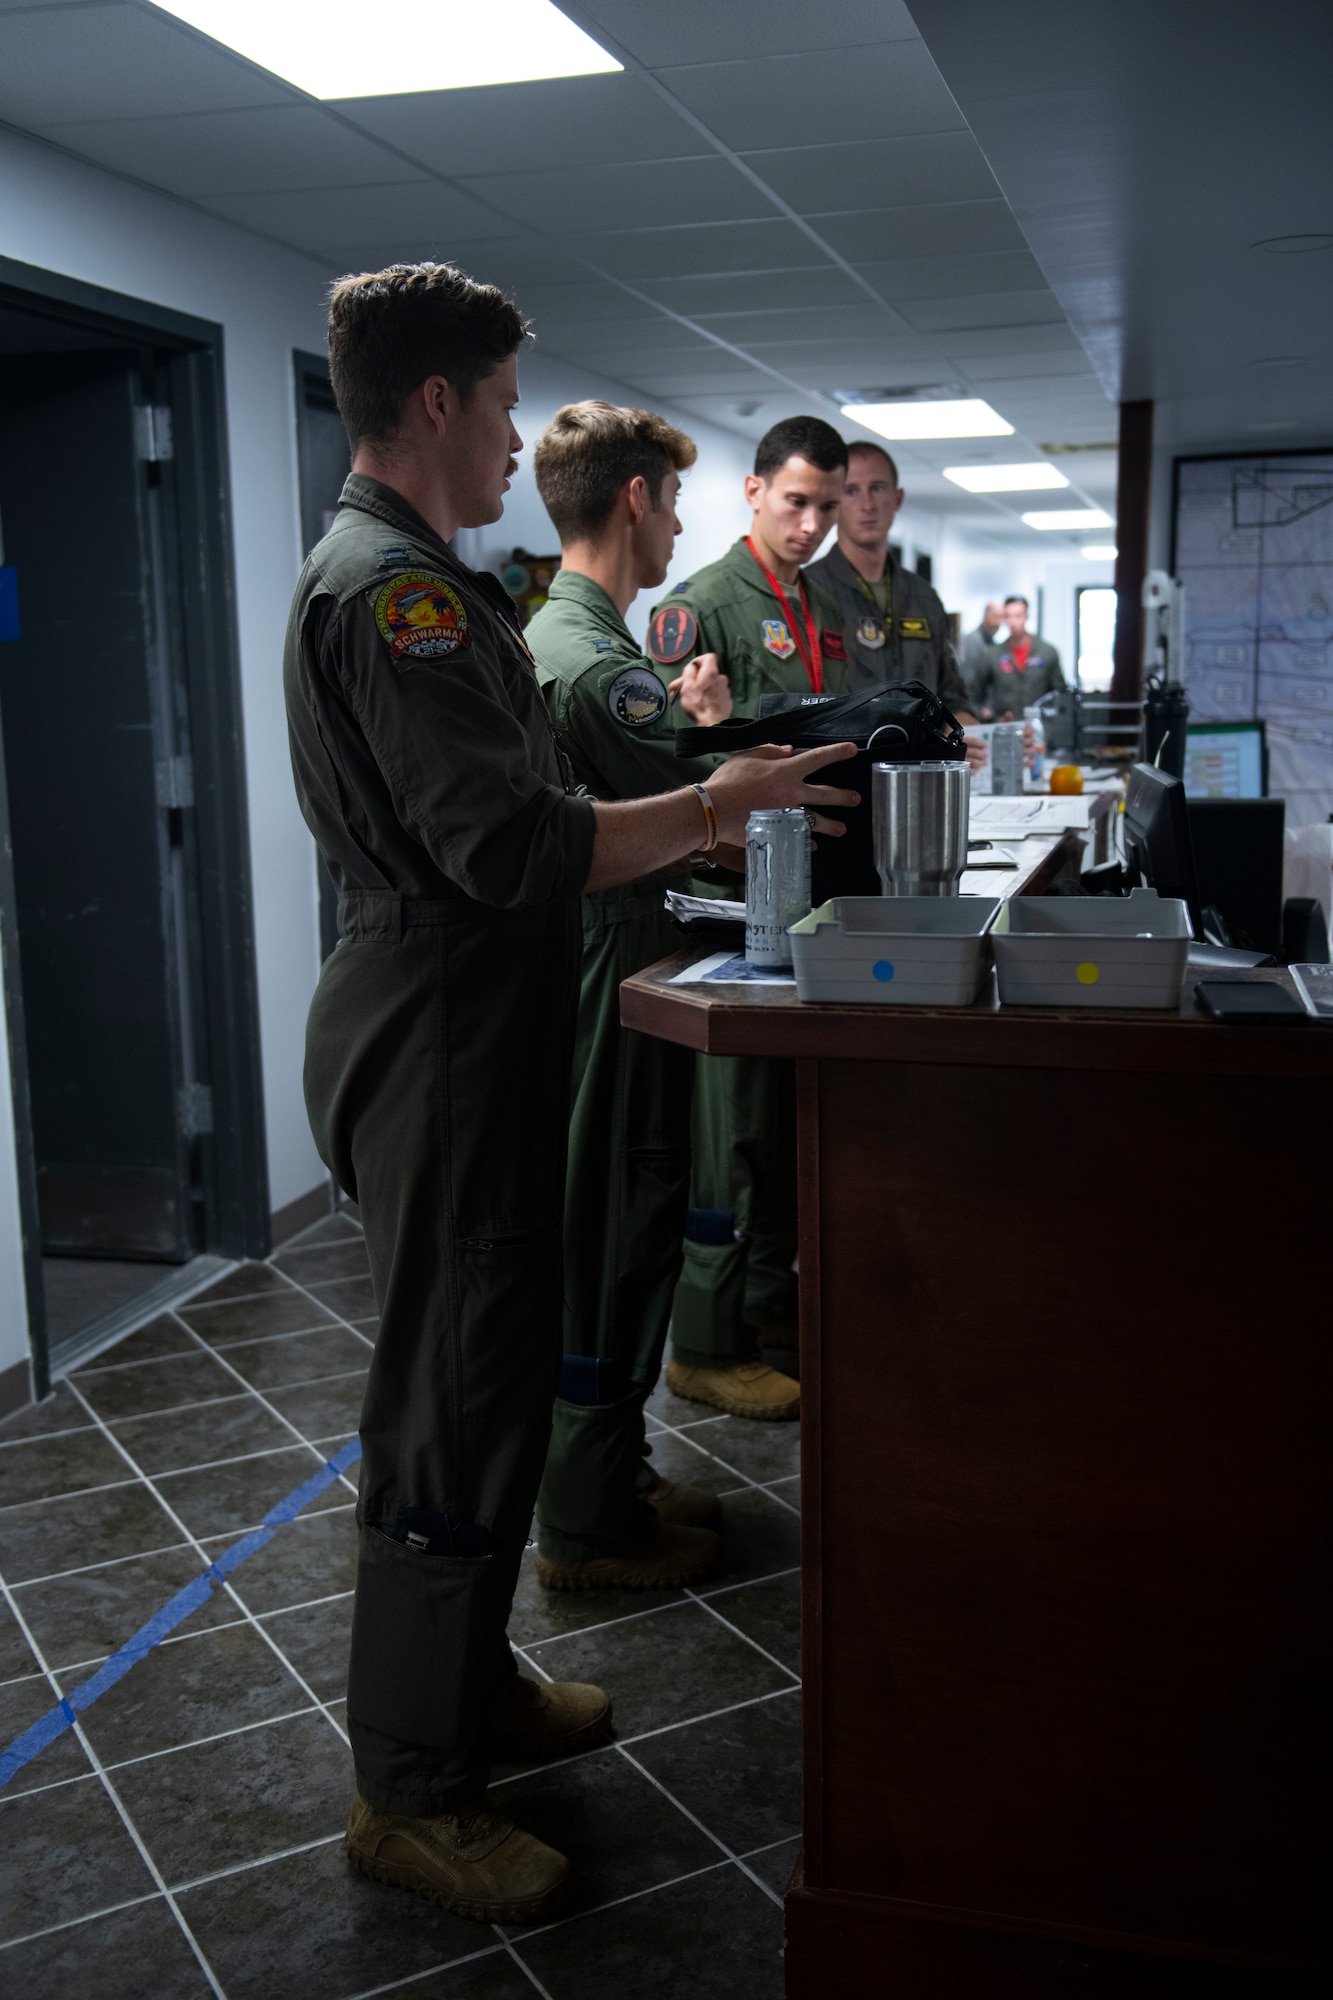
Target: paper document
{"points": [[716, 908], [1015, 818], [729, 968]]}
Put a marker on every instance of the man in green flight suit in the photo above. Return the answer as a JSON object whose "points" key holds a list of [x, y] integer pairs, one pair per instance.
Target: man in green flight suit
{"points": [[609, 478], [774, 629]]}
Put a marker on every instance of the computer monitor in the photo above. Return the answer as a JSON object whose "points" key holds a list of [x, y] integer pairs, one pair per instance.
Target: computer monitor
{"points": [[1239, 850], [1159, 853], [1226, 760]]}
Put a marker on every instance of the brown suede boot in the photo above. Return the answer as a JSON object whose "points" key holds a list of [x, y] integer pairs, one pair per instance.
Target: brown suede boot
{"points": [[546, 1719], [474, 1862], [678, 1556], [685, 1506], [746, 1389]]}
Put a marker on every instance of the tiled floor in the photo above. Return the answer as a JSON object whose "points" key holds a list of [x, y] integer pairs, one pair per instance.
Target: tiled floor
{"points": [[185, 1838]]}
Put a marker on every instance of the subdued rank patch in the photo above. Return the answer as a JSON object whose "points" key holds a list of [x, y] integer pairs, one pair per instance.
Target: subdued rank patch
{"points": [[397, 556], [832, 644], [672, 634], [604, 645], [777, 639], [421, 618], [914, 628], [636, 697], [870, 634]]}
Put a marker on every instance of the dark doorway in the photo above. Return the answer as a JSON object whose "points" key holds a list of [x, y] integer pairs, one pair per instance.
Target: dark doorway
{"points": [[324, 461], [130, 988]]}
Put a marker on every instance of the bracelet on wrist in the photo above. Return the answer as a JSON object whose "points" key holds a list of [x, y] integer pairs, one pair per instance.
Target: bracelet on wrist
{"points": [[710, 816]]}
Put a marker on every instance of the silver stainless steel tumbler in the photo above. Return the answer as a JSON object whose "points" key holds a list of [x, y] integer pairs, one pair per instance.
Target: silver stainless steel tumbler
{"points": [[920, 819]]}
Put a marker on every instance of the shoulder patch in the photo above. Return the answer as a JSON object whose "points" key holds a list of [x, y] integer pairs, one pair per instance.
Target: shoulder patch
{"points": [[421, 617], [604, 645], [636, 697], [833, 643], [672, 634], [397, 556]]}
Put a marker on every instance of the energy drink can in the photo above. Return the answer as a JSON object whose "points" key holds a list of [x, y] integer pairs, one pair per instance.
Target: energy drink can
{"points": [[1006, 756], [777, 882]]}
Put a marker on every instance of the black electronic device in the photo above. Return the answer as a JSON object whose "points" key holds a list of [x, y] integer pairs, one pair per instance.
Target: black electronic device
{"points": [[898, 722], [1159, 853], [1249, 1002], [1166, 711], [1238, 854]]}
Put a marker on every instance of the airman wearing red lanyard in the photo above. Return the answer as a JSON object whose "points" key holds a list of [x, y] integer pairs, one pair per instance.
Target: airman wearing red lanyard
{"points": [[774, 630]]}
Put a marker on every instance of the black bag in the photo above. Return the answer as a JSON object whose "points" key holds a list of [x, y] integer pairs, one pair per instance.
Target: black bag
{"points": [[900, 722]]}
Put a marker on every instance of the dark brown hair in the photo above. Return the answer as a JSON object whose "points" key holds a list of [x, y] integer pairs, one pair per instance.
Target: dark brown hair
{"points": [[864, 444], [809, 438], [590, 451], [390, 330]]}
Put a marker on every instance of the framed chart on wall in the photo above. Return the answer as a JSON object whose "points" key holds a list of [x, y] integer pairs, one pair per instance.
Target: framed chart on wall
{"points": [[1252, 542]]}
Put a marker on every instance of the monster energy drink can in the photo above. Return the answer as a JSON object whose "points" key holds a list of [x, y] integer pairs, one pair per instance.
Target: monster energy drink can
{"points": [[777, 882], [1006, 756]]}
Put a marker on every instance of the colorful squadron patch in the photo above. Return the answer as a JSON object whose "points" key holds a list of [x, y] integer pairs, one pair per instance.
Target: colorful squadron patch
{"points": [[421, 618], [870, 634], [636, 697], [777, 639], [672, 634]]}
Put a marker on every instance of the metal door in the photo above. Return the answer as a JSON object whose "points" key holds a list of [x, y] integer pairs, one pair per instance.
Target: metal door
{"points": [[97, 757]]}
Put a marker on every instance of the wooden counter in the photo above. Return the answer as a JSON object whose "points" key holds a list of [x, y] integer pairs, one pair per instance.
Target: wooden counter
{"points": [[1065, 1326]]}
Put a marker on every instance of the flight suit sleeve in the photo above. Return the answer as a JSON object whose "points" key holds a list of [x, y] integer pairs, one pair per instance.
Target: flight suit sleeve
{"points": [[460, 736], [616, 719]]}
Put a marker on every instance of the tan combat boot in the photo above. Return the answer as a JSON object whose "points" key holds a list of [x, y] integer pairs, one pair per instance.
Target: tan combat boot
{"points": [[746, 1389], [546, 1719], [678, 1556], [685, 1506], [474, 1862]]}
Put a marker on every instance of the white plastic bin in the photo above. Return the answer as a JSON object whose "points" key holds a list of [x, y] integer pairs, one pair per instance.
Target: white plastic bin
{"points": [[1092, 951], [908, 951]]}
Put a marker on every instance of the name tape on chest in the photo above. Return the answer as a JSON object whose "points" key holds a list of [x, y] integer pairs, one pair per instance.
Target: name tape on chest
{"points": [[421, 618], [914, 628], [636, 697], [672, 634]]}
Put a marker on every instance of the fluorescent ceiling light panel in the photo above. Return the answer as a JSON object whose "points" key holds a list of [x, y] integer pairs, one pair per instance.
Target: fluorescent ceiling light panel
{"points": [[1070, 517], [1100, 552], [960, 417], [331, 48], [1005, 478]]}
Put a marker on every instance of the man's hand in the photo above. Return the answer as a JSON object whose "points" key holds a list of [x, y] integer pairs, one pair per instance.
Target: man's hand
{"points": [[772, 777], [703, 691], [977, 754]]}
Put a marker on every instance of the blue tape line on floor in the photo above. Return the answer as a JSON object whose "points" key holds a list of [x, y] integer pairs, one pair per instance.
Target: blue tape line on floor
{"points": [[62, 1717]]}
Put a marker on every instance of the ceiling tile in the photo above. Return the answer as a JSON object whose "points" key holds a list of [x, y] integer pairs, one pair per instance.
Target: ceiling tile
{"points": [[982, 368], [719, 382], [806, 323], [721, 247], [981, 309], [821, 285], [701, 31], [948, 229], [513, 263], [62, 66], [887, 90], [583, 300], [1052, 338], [572, 121], [281, 146], [595, 337], [942, 277], [889, 353], [326, 218], [634, 196], [878, 173]]}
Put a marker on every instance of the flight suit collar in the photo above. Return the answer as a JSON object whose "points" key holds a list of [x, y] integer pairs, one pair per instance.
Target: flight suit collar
{"points": [[573, 584], [844, 570], [372, 496]]}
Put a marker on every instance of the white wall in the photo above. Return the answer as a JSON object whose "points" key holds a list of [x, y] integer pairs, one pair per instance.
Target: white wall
{"points": [[13, 1295], [65, 217]]}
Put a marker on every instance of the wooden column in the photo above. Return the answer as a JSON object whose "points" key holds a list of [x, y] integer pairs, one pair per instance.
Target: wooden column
{"points": [[1133, 492]]}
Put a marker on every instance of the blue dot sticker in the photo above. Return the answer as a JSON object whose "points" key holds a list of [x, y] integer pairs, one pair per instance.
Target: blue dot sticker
{"points": [[882, 969]]}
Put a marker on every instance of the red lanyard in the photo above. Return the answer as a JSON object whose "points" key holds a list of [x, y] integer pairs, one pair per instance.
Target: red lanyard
{"points": [[813, 660]]}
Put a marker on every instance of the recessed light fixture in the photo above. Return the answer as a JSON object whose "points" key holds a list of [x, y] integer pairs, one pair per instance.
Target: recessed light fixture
{"points": [[333, 49], [1070, 517], [1100, 552], [1293, 246], [960, 417], [1005, 478]]}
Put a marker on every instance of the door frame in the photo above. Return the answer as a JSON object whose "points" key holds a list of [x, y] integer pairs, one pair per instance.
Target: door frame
{"points": [[234, 1157]]}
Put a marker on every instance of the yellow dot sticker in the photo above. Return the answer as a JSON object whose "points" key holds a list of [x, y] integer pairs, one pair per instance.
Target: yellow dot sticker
{"points": [[1088, 974]]}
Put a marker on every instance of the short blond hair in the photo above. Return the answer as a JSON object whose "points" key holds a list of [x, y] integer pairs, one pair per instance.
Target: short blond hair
{"points": [[590, 451]]}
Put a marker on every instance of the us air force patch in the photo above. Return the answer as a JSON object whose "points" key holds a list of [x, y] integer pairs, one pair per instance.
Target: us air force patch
{"points": [[636, 697], [777, 638], [421, 617], [672, 633], [870, 634]]}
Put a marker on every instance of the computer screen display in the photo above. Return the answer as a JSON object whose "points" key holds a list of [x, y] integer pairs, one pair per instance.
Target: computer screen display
{"points": [[1225, 760], [1159, 853]]}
